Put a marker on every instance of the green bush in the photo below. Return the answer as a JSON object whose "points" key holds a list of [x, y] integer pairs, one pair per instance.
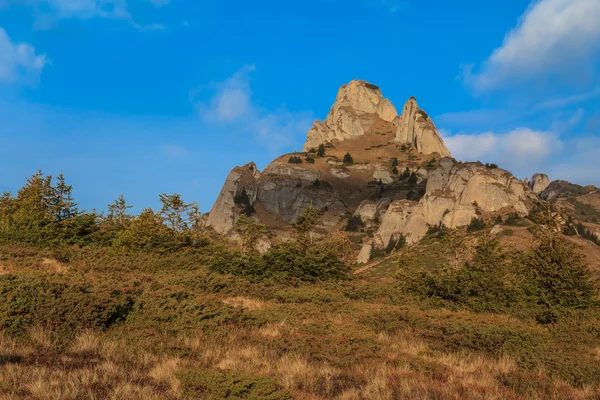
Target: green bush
{"points": [[295, 160], [348, 159], [355, 224], [28, 300], [476, 224], [321, 150], [211, 384], [287, 260]]}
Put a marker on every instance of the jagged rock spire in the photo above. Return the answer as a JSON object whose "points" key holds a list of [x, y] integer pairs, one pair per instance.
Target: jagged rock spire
{"points": [[346, 119], [417, 128], [359, 104]]}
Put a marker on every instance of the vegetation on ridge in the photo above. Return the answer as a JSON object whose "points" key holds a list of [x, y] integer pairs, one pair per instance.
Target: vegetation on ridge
{"points": [[155, 306]]}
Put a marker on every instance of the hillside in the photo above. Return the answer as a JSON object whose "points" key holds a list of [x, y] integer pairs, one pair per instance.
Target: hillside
{"points": [[372, 265]]}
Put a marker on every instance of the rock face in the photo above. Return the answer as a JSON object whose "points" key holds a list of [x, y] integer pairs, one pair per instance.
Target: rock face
{"points": [[359, 105], [374, 185], [454, 194], [238, 191], [415, 126], [539, 183], [356, 104]]}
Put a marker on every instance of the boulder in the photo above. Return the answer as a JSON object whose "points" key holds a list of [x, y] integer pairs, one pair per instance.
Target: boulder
{"points": [[539, 183], [366, 210], [405, 217], [365, 253]]}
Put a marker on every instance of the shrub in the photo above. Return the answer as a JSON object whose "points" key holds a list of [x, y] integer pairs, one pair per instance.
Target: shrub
{"points": [[310, 159], [396, 243], [395, 162], [295, 160], [348, 159], [513, 219], [412, 179], [406, 173], [201, 384], [476, 224], [321, 150], [394, 170], [63, 307], [287, 260], [355, 224], [491, 166]]}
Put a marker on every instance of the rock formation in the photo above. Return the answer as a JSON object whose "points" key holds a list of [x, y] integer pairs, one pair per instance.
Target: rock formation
{"points": [[395, 189], [357, 108], [238, 191], [356, 104], [454, 195], [539, 183], [415, 126]]}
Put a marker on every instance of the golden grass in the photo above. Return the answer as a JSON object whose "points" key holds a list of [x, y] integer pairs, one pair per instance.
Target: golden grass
{"points": [[245, 303], [53, 266]]}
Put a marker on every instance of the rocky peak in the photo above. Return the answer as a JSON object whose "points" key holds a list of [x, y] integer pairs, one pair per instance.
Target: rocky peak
{"points": [[539, 183], [363, 98], [416, 127]]}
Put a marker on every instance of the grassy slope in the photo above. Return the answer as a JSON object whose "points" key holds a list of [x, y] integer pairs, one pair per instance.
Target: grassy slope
{"points": [[164, 327]]}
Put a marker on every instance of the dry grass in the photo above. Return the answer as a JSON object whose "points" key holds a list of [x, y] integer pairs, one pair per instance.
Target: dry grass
{"points": [[245, 303], [89, 369], [53, 266]]}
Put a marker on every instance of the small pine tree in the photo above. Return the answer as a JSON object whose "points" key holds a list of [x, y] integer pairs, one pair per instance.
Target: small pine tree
{"points": [[395, 162], [412, 179], [348, 159], [305, 225], [476, 224], [406, 173], [249, 232], [117, 211], [321, 150], [394, 170]]}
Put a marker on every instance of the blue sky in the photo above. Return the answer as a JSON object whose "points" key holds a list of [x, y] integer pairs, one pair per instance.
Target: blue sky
{"points": [[142, 97]]}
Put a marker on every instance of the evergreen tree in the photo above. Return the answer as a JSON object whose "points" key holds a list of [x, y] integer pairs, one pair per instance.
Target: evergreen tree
{"points": [[117, 211], [249, 232], [412, 179], [321, 150], [305, 225], [348, 159], [175, 212], [63, 204]]}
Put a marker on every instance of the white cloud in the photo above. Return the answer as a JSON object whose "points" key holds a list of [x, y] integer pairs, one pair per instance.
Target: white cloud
{"points": [[521, 150], [552, 38], [231, 104], [19, 62], [231, 99]]}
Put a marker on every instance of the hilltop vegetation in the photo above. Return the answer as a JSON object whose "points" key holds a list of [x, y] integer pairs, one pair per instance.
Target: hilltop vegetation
{"points": [[154, 306]]}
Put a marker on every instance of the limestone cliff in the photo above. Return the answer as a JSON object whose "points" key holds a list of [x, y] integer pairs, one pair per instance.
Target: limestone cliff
{"points": [[238, 192], [454, 195], [352, 114], [360, 107], [414, 126]]}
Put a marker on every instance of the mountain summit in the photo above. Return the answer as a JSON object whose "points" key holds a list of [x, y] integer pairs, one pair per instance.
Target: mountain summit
{"points": [[360, 107], [373, 172]]}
